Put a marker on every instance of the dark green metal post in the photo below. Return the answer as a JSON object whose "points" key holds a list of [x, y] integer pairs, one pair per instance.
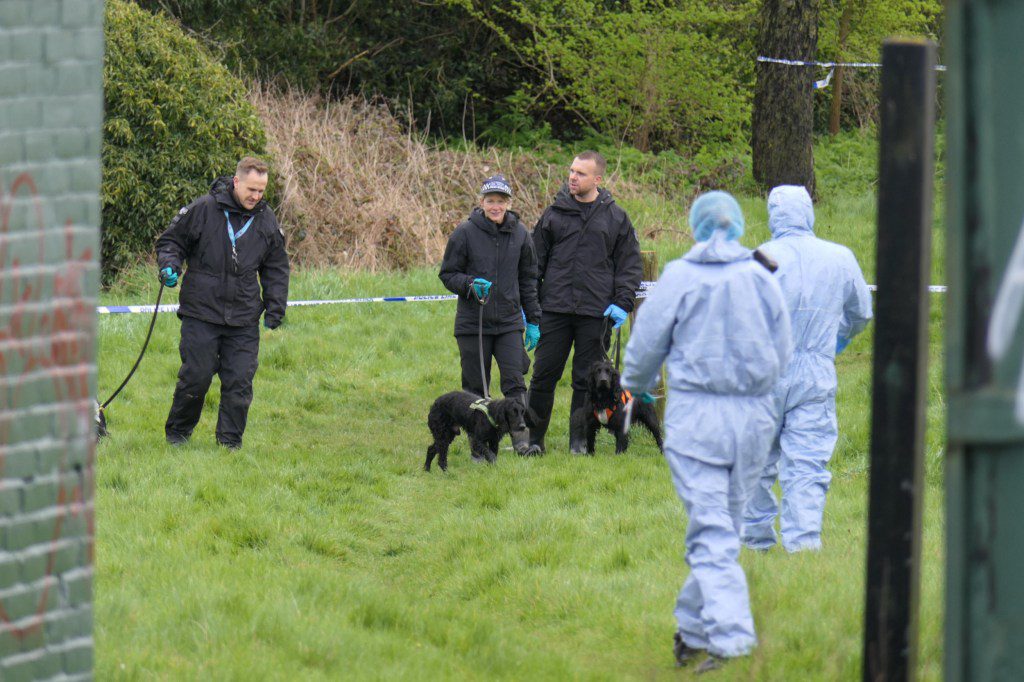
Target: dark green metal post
{"points": [[985, 453], [906, 176]]}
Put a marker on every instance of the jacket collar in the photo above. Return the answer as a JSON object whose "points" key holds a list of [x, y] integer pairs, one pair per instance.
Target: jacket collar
{"points": [[222, 190], [565, 203], [478, 218]]}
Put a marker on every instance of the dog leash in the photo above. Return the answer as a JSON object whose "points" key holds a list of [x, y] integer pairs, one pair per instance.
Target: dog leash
{"points": [[145, 345], [482, 300], [618, 339]]}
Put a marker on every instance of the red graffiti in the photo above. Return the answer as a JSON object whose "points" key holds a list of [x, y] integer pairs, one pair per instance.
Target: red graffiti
{"points": [[47, 337]]}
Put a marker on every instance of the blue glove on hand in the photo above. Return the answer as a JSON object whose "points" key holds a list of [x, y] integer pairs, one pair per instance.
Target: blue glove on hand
{"points": [[617, 314], [532, 336], [481, 287], [646, 398], [169, 277], [841, 343], [268, 325]]}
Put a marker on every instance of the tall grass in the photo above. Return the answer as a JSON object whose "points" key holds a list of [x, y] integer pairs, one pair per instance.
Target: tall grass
{"points": [[358, 189], [321, 550]]}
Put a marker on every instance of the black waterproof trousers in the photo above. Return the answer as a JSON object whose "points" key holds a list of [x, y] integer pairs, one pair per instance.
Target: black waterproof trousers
{"points": [[207, 349], [507, 350], [559, 332]]}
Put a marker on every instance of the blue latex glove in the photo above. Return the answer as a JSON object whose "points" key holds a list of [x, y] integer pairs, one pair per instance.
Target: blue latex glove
{"points": [[532, 336], [646, 398], [169, 277], [481, 287], [617, 314], [270, 326], [841, 343]]}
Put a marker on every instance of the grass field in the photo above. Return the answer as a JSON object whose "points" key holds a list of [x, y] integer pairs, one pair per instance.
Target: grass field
{"points": [[321, 550]]}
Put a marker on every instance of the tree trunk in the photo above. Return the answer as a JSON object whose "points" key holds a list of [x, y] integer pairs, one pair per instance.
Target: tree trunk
{"points": [[837, 83], [837, 101], [783, 105]]}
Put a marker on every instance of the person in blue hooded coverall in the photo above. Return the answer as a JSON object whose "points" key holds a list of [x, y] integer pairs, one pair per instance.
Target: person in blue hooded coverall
{"points": [[718, 320], [829, 304]]}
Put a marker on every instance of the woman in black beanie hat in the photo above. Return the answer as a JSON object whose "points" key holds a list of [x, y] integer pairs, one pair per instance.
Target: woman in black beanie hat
{"points": [[490, 258]]}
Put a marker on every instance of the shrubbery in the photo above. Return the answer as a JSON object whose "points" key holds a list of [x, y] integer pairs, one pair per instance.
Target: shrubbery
{"points": [[359, 189], [655, 74], [434, 63], [175, 120]]}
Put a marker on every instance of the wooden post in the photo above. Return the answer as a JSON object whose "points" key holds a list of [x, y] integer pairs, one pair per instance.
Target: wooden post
{"points": [[900, 375], [650, 265]]}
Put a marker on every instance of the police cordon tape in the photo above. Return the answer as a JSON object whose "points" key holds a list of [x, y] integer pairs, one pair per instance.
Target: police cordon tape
{"points": [[173, 307], [830, 65]]}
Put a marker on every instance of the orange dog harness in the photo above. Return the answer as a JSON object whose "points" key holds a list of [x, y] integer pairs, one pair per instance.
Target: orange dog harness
{"points": [[604, 415]]}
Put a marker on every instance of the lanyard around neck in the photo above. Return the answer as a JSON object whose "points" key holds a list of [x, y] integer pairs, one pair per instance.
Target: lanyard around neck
{"points": [[231, 231]]}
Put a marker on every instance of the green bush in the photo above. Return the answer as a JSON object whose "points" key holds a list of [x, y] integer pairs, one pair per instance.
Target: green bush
{"points": [[175, 120], [656, 74], [436, 65]]}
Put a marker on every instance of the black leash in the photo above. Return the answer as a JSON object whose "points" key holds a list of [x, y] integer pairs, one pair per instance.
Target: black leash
{"points": [[145, 344], [618, 339], [482, 300]]}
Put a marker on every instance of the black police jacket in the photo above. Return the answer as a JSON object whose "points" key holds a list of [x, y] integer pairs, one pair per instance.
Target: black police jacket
{"points": [[501, 254], [586, 263], [215, 288]]}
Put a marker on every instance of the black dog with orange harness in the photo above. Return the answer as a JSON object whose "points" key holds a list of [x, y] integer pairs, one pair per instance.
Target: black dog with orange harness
{"points": [[606, 406]]}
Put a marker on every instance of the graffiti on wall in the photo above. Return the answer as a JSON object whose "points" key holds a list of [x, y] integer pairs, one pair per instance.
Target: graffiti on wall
{"points": [[46, 357]]}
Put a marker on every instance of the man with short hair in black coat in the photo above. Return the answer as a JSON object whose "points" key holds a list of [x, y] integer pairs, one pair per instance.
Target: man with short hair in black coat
{"points": [[232, 246], [490, 257], [588, 263]]}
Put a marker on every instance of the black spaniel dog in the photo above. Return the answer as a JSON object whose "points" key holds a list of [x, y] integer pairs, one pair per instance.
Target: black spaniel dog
{"points": [[485, 423], [605, 406]]}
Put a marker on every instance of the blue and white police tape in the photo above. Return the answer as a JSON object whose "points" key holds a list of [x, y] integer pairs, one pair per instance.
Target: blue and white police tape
{"points": [[173, 307], [823, 83], [934, 288], [830, 65]]}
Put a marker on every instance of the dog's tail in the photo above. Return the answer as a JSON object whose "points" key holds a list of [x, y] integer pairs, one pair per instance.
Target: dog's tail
{"points": [[649, 419]]}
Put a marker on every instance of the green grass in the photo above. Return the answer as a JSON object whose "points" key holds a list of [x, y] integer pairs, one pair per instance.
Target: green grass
{"points": [[323, 551]]}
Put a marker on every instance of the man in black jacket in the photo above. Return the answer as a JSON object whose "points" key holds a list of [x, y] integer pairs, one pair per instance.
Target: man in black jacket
{"points": [[227, 238], [588, 262], [490, 257]]}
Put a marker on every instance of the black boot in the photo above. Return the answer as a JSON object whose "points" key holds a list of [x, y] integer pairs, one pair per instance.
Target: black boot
{"points": [[521, 439], [541, 404], [577, 441], [683, 652], [521, 442]]}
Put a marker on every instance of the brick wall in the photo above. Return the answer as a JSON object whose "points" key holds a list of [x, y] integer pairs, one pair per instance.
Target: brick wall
{"points": [[50, 121]]}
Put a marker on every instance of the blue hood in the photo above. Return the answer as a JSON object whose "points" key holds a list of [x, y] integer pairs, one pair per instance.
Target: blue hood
{"points": [[790, 211], [718, 249]]}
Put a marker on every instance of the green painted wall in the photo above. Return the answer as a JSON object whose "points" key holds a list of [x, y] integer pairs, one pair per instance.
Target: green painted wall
{"points": [[51, 115]]}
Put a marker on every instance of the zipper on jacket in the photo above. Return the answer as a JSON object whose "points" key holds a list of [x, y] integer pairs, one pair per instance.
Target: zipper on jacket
{"points": [[494, 284], [579, 240]]}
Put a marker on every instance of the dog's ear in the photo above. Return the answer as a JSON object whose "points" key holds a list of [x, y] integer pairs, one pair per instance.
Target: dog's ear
{"points": [[592, 377], [508, 413]]}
